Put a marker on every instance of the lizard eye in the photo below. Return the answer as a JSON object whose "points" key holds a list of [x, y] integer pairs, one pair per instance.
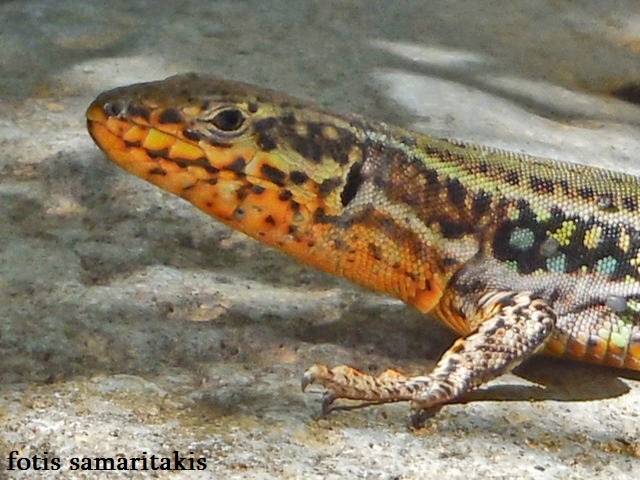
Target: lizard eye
{"points": [[228, 120]]}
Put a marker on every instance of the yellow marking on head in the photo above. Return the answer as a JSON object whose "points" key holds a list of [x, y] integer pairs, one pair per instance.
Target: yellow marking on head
{"points": [[156, 140], [135, 134], [330, 132], [185, 150], [221, 157], [301, 129]]}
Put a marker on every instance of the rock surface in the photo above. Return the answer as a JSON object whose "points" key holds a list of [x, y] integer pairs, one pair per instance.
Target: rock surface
{"points": [[132, 325]]}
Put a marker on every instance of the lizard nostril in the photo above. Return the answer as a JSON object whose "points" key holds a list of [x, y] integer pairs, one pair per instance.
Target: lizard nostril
{"points": [[113, 109]]}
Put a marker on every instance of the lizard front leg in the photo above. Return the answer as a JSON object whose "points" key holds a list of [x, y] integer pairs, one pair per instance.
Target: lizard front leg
{"points": [[510, 327]]}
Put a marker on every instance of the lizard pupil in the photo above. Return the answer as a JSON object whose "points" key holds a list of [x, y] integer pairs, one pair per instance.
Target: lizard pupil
{"points": [[228, 120]]}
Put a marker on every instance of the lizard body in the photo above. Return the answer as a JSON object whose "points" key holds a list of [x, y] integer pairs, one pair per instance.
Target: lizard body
{"points": [[516, 254]]}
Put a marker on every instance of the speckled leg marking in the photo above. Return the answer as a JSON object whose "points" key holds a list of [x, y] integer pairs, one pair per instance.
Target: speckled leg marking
{"points": [[512, 327]]}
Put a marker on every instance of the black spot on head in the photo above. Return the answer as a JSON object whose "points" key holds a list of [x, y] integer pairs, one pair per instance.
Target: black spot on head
{"points": [[138, 111], [181, 162], [314, 129], [354, 180], [241, 194], [204, 163], [237, 166], [264, 128], [266, 142], [163, 153], [285, 196], [307, 148], [192, 135], [329, 185], [258, 189], [170, 115], [274, 175], [341, 157], [288, 118], [239, 212], [264, 124], [157, 171], [270, 220], [451, 229], [298, 177], [319, 216], [252, 107], [340, 148]]}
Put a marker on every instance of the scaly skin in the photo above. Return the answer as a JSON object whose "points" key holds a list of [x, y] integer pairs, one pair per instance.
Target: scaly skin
{"points": [[517, 254]]}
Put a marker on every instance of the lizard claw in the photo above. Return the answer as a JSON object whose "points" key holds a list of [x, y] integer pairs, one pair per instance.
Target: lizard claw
{"points": [[327, 403], [420, 416], [309, 377], [313, 375]]}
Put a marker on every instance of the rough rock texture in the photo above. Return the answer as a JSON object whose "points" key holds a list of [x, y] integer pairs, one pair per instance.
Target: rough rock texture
{"points": [[132, 325]]}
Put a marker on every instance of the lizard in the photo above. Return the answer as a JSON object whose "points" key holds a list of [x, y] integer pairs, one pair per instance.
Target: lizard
{"points": [[518, 255]]}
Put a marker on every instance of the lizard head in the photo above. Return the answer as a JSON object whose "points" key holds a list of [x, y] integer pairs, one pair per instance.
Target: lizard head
{"points": [[257, 160], [285, 172], [229, 148]]}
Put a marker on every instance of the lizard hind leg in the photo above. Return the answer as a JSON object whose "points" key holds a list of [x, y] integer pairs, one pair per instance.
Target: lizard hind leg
{"points": [[511, 326]]}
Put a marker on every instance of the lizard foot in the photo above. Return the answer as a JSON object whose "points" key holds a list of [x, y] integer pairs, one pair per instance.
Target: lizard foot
{"points": [[515, 325], [344, 382]]}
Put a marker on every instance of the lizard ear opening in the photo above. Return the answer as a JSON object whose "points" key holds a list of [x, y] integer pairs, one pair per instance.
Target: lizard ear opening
{"points": [[352, 185]]}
